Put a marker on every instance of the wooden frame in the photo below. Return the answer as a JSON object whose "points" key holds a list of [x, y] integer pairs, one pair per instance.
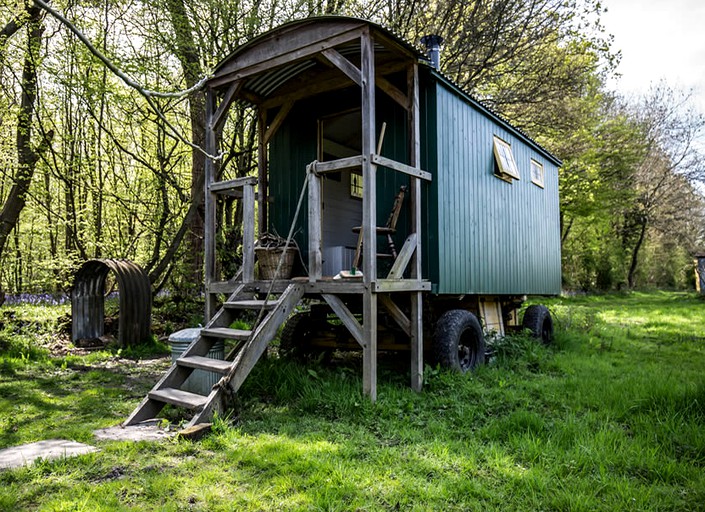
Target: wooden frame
{"points": [[320, 46]]}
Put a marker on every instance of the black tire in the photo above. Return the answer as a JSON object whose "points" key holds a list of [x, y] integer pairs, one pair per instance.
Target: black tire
{"points": [[537, 319], [458, 341], [293, 341]]}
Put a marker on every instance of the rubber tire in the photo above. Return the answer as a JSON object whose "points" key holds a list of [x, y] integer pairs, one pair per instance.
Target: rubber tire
{"points": [[296, 331], [537, 319], [458, 341]]}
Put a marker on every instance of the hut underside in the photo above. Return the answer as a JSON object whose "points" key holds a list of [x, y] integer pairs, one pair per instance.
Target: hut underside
{"points": [[274, 72]]}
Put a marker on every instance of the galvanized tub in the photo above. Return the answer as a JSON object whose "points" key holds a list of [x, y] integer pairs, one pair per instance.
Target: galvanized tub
{"points": [[200, 381]]}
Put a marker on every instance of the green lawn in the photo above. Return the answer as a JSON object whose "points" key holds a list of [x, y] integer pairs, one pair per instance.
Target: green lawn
{"points": [[612, 417]]}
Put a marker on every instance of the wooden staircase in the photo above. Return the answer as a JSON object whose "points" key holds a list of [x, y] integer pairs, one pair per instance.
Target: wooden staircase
{"points": [[235, 369]]}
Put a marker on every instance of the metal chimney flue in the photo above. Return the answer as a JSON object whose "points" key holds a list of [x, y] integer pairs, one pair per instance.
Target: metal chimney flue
{"points": [[433, 44]]}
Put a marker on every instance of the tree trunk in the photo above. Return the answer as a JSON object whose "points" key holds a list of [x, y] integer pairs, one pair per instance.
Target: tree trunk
{"points": [[26, 156], [187, 53], [631, 277]]}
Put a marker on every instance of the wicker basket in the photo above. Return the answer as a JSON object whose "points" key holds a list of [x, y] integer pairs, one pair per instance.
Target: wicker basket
{"points": [[268, 258]]}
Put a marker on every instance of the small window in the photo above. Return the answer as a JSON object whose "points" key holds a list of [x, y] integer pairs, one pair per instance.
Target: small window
{"points": [[536, 173], [506, 167], [356, 185]]}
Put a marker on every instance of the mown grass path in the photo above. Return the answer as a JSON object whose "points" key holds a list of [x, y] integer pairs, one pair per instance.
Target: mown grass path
{"points": [[610, 418]]}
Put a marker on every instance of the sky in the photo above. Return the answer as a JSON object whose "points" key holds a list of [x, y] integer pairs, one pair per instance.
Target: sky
{"points": [[659, 39]]}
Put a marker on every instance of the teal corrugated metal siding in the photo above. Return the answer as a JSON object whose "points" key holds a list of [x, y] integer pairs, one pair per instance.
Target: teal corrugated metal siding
{"points": [[493, 237]]}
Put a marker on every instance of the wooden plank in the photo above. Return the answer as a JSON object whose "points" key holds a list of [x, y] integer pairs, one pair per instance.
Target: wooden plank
{"points": [[248, 233], [251, 304], [397, 314], [393, 92], [416, 325], [219, 186], [178, 397], [323, 83], [340, 164], [345, 316], [403, 258], [401, 285], [226, 333], [278, 120], [343, 64], [315, 257], [219, 116], [205, 363], [369, 217], [415, 159], [209, 205], [262, 176], [400, 167]]}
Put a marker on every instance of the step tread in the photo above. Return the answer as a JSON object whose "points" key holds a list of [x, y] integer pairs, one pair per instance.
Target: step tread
{"points": [[205, 363], [251, 304], [226, 332], [179, 398]]}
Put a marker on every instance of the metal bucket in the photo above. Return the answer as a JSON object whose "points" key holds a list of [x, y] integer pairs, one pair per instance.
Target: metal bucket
{"points": [[200, 381]]}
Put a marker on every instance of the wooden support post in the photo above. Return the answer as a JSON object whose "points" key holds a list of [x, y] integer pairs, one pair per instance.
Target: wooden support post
{"points": [[248, 233], [262, 178], [209, 205], [315, 258], [369, 216], [416, 221]]}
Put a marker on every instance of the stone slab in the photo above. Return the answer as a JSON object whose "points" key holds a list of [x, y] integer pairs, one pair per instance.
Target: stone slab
{"points": [[48, 449], [132, 433]]}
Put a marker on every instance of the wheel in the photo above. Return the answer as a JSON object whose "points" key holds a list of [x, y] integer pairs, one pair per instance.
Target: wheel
{"points": [[537, 319], [458, 342], [294, 336]]}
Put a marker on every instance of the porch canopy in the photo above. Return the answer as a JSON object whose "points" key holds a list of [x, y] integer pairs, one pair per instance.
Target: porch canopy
{"points": [[306, 57]]}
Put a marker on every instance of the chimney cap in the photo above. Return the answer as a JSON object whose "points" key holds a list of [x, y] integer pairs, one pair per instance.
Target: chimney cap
{"points": [[432, 40]]}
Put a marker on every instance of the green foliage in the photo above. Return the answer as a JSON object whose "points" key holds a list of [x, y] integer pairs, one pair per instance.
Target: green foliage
{"points": [[613, 411]]}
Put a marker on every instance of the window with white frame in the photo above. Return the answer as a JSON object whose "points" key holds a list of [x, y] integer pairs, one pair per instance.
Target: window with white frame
{"points": [[506, 167], [537, 173]]}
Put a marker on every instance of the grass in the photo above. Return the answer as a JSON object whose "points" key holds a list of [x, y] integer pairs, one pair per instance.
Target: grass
{"points": [[612, 417]]}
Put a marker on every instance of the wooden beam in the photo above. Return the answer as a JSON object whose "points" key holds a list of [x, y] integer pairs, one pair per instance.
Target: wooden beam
{"points": [[209, 205], [397, 314], [341, 164], [278, 120], [392, 91], [345, 316], [270, 61], [262, 176], [315, 258], [332, 83], [400, 167], [369, 216], [400, 285], [403, 258], [230, 95], [248, 232], [343, 64], [220, 186], [416, 300]]}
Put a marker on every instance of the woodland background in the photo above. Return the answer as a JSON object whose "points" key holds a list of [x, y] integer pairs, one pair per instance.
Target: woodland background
{"points": [[90, 167]]}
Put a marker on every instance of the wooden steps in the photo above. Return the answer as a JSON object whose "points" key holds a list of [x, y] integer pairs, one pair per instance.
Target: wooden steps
{"points": [[253, 344], [251, 304], [205, 363], [179, 398], [226, 333]]}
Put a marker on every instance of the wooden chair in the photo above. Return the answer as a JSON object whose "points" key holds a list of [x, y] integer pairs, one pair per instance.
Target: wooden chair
{"points": [[388, 229]]}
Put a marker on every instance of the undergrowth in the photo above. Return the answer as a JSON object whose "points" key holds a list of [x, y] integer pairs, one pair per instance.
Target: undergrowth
{"points": [[610, 417]]}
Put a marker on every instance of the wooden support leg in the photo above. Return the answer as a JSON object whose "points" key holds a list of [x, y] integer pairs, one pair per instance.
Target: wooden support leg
{"points": [[416, 341], [369, 353]]}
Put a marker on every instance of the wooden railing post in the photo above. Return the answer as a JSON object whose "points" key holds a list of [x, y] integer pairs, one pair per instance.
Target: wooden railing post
{"points": [[315, 257], [248, 233]]}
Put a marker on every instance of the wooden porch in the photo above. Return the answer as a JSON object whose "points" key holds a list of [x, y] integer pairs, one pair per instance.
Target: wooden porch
{"points": [[266, 73]]}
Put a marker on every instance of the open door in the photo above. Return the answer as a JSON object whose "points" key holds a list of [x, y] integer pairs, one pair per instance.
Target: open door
{"points": [[340, 136]]}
